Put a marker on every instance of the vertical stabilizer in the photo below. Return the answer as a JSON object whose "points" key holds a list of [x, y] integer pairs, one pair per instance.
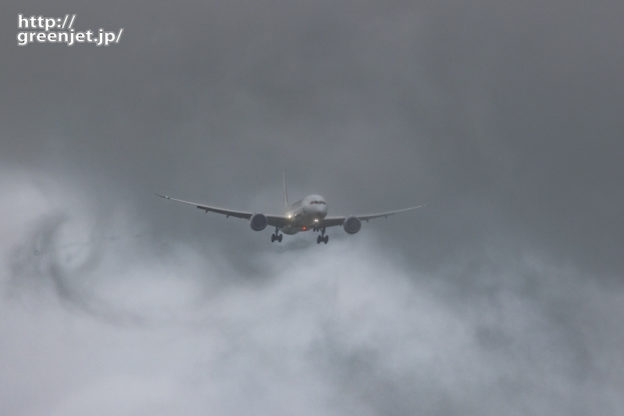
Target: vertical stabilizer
{"points": [[286, 205]]}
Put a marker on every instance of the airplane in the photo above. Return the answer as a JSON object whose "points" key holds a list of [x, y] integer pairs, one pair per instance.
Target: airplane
{"points": [[307, 214]]}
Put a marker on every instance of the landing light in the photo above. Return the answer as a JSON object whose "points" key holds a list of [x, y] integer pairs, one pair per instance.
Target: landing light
{"points": [[315, 219], [289, 216]]}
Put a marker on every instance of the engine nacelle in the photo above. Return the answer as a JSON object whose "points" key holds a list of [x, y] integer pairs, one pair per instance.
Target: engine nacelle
{"points": [[258, 222], [352, 225]]}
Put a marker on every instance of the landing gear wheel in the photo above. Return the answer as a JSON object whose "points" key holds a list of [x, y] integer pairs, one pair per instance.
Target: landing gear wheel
{"points": [[322, 238], [276, 236]]}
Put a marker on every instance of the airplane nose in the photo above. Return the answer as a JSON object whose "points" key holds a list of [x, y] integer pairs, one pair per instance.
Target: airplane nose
{"points": [[315, 208]]}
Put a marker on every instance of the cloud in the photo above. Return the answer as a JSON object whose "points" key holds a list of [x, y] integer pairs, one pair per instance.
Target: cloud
{"points": [[503, 294], [351, 329]]}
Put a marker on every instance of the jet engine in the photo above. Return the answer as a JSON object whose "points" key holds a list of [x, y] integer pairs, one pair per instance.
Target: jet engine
{"points": [[258, 222], [352, 225]]}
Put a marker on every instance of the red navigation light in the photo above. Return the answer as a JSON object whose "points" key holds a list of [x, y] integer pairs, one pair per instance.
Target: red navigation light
{"points": [[304, 228]]}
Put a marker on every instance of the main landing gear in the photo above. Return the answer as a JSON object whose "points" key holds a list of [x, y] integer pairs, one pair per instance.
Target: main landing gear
{"points": [[322, 238], [276, 236]]}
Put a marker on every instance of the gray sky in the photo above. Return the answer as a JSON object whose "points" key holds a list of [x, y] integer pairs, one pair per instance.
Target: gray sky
{"points": [[504, 295]]}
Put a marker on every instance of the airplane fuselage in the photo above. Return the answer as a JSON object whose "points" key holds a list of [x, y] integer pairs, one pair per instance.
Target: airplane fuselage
{"points": [[305, 214]]}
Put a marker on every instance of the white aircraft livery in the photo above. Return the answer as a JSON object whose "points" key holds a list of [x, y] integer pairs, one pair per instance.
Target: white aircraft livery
{"points": [[307, 214]]}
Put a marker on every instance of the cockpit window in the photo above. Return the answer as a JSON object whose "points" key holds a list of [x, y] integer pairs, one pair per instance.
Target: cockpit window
{"points": [[318, 202]]}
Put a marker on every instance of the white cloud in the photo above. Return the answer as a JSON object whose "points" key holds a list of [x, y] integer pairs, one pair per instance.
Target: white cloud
{"points": [[347, 328]]}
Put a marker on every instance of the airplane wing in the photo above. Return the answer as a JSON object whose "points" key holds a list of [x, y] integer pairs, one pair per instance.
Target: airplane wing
{"points": [[332, 221], [209, 208], [273, 220]]}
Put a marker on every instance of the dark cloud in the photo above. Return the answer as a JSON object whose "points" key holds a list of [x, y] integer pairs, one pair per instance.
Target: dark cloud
{"points": [[503, 293]]}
